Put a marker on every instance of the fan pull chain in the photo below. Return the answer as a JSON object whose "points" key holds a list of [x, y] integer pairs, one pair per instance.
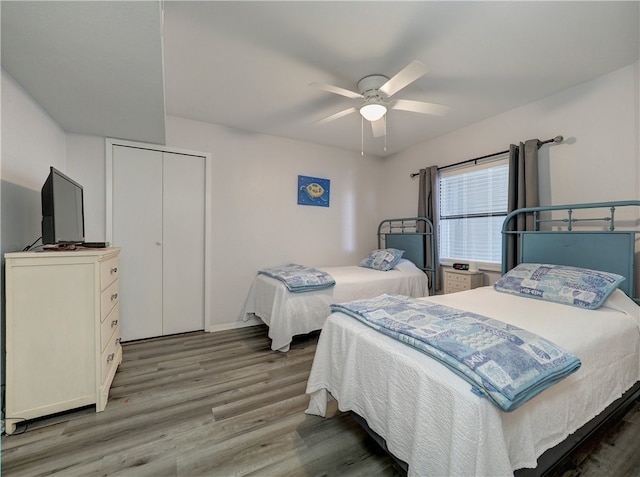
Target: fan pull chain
{"points": [[385, 133], [362, 136]]}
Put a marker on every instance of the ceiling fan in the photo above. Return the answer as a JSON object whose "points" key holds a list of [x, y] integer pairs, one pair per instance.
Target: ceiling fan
{"points": [[375, 91]]}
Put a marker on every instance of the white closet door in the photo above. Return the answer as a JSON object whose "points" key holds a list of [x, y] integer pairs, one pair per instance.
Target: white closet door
{"points": [[183, 243], [158, 220], [137, 228]]}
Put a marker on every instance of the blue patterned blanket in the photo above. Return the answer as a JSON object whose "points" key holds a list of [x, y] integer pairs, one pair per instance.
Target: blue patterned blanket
{"points": [[507, 364], [298, 278]]}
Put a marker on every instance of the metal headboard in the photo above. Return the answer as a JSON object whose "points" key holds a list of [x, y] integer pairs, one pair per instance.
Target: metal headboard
{"points": [[415, 236], [607, 249]]}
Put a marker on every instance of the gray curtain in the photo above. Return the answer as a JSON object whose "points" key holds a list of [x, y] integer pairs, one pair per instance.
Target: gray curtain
{"points": [[523, 191], [428, 207]]}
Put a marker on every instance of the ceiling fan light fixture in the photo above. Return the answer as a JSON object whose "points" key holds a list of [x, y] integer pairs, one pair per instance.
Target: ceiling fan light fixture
{"points": [[373, 111]]}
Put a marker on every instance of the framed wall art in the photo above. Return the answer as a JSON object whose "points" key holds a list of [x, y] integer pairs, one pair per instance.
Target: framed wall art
{"points": [[313, 191]]}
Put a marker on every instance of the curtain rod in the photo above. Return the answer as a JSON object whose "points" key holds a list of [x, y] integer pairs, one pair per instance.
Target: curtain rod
{"points": [[557, 140]]}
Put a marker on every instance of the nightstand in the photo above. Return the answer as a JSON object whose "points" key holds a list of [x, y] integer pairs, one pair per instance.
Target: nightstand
{"points": [[460, 280]]}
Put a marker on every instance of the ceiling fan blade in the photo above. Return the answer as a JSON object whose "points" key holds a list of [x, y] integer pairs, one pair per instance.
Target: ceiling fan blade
{"points": [[336, 116], [379, 128], [336, 89], [404, 77], [419, 107]]}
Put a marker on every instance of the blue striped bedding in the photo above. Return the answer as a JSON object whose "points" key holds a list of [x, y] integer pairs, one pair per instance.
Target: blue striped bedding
{"points": [[298, 278], [505, 363]]}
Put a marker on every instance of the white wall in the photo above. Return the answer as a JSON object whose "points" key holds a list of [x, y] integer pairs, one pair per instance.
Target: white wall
{"points": [[598, 161], [85, 164], [256, 220], [31, 142]]}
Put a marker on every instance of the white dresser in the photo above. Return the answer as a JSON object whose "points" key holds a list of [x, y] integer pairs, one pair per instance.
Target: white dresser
{"points": [[460, 280], [62, 331]]}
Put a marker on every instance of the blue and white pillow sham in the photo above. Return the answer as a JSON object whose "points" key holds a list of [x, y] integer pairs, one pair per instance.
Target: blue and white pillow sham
{"points": [[580, 287], [382, 259]]}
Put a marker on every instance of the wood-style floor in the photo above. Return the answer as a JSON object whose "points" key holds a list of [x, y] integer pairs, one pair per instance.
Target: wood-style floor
{"points": [[223, 404]]}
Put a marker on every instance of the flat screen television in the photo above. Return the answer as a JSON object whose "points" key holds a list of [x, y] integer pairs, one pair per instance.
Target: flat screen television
{"points": [[62, 210]]}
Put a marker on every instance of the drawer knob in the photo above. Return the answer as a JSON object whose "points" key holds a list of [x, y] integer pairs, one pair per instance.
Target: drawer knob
{"points": [[114, 270], [114, 296], [110, 357], [114, 323]]}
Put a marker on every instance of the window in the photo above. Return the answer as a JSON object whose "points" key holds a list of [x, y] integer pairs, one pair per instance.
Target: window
{"points": [[473, 205]]}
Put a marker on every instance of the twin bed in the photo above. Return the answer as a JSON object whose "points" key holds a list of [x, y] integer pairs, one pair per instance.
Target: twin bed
{"points": [[429, 418], [288, 313]]}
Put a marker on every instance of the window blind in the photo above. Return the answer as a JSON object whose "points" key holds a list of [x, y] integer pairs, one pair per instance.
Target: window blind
{"points": [[473, 204]]}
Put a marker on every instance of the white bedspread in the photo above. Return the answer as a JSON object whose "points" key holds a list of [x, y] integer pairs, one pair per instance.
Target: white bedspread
{"points": [[289, 314], [432, 420]]}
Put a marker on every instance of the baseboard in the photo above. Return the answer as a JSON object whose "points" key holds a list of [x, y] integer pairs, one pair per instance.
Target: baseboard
{"points": [[253, 321]]}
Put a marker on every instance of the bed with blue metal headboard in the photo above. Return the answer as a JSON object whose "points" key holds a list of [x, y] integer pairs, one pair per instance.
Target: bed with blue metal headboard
{"points": [[289, 314], [420, 404], [604, 247], [415, 237], [581, 235]]}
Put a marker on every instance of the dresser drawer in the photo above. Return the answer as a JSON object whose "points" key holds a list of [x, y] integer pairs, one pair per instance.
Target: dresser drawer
{"points": [[108, 272], [455, 281], [109, 326], [458, 278], [108, 299], [108, 356], [453, 286]]}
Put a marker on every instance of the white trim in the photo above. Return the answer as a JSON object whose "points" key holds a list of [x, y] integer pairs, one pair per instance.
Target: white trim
{"points": [[108, 189], [253, 321], [208, 223], [156, 147]]}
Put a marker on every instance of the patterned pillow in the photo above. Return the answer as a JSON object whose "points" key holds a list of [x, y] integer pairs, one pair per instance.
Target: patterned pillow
{"points": [[574, 286], [382, 259]]}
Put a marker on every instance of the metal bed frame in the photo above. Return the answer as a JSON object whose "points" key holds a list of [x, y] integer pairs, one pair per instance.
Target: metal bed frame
{"points": [[605, 249], [609, 250], [415, 236]]}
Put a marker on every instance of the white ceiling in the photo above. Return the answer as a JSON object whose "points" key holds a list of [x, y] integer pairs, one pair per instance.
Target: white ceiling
{"points": [[248, 64], [95, 67]]}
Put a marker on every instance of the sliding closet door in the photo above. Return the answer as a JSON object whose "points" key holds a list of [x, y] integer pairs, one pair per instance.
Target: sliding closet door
{"points": [[183, 243], [137, 228], [158, 220]]}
